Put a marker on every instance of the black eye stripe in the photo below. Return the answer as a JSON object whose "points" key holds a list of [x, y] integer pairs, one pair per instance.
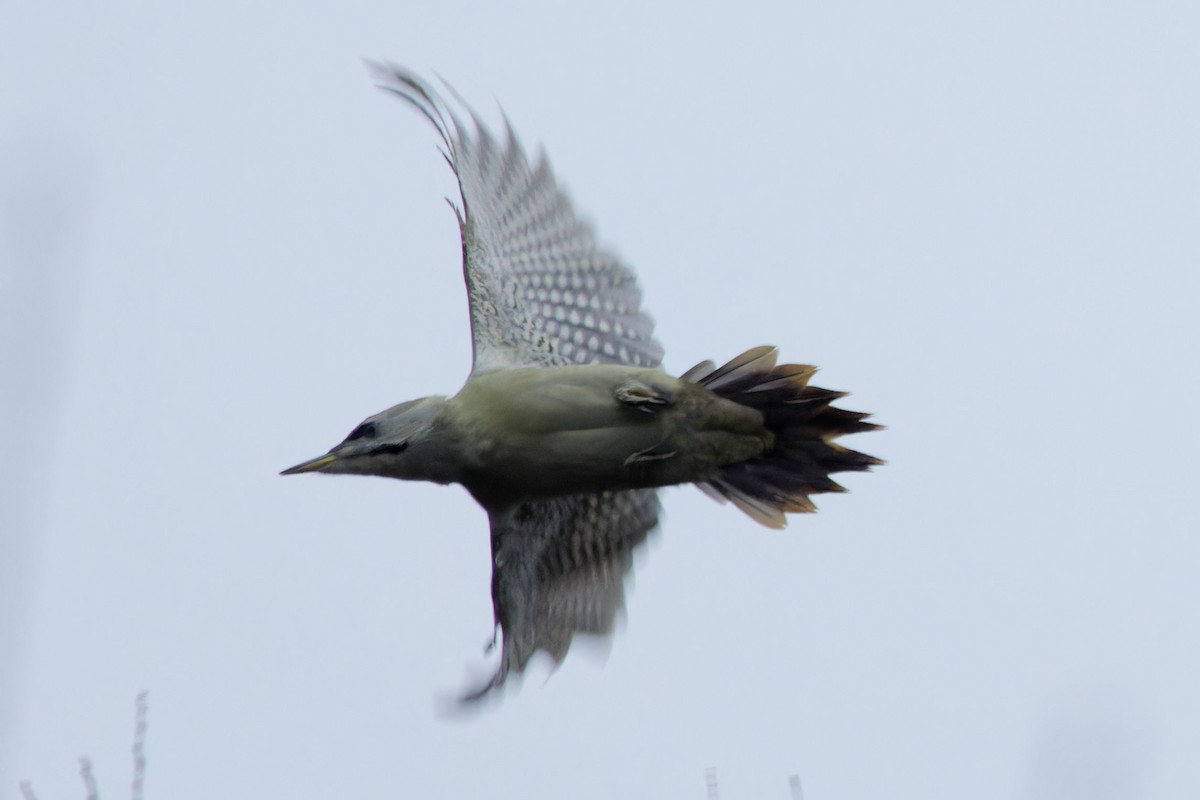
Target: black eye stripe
{"points": [[389, 449], [366, 430]]}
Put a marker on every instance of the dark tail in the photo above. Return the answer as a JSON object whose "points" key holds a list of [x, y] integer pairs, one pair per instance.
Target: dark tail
{"points": [[804, 423]]}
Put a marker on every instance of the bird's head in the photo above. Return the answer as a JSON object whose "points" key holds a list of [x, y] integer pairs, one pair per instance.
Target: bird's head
{"points": [[401, 442]]}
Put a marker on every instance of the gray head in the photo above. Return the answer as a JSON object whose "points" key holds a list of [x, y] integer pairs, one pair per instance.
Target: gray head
{"points": [[401, 442]]}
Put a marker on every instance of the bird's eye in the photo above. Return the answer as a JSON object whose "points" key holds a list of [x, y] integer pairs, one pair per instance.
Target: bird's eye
{"points": [[364, 431]]}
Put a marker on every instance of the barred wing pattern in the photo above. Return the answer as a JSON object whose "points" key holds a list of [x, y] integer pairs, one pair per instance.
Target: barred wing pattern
{"points": [[541, 291], [542, 294], [559, 569]]}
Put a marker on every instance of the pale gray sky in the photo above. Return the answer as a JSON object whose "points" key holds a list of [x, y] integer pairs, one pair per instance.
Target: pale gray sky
{"points": [[220, 248]]}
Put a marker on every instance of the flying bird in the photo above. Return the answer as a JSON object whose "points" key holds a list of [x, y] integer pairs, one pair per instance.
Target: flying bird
{"points": [[567, 424]]}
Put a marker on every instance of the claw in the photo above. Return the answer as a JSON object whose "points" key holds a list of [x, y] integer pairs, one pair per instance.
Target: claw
{"points": [[490, 644]]}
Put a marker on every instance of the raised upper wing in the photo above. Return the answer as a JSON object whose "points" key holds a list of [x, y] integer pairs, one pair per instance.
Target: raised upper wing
{"points": [[541, 292], [558, 569]]}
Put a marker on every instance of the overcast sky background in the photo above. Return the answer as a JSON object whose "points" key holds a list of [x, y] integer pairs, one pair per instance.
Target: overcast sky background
{"points": [[220, 248]]}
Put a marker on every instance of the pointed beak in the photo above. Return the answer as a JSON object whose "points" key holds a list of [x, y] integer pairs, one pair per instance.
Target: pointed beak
{"points": [[312, 465]]}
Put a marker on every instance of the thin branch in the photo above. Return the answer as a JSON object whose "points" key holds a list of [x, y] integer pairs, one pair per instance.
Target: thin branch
{"points": [[89, 780], [139, 748], [710, 782]]}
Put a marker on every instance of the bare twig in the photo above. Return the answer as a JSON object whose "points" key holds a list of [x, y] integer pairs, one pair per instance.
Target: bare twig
{"points": [[139, 761], [710, 782], [139, 748], [89, 780]]}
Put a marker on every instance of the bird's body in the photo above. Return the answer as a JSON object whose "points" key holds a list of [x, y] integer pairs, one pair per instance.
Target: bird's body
{"points": [[526, 430], [567, 423]]}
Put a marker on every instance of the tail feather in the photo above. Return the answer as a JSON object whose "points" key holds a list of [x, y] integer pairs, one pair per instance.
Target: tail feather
{"points": [[804, 455], [742, 372], [696, 373]]}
